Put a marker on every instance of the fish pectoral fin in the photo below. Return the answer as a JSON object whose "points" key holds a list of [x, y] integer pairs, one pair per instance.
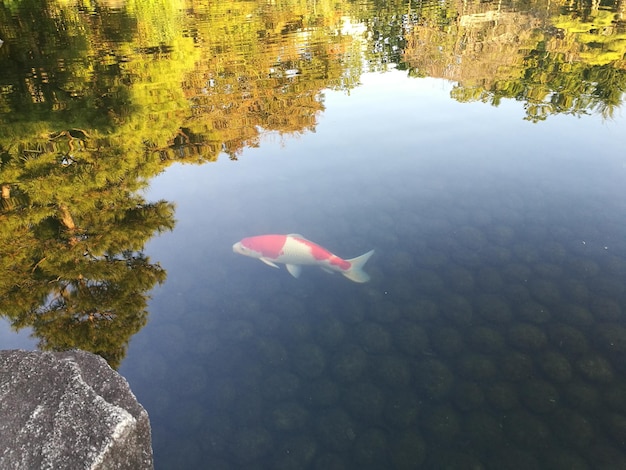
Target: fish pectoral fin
{"points": [[294, 270], [269, 263]]}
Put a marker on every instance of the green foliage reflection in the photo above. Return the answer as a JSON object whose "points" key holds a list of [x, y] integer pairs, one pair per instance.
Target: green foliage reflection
{"points": [[555, 58], [73, 227], [98, 97]]}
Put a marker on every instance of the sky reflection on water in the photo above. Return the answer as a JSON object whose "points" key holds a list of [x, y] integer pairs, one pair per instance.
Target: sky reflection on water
{"points": [[488, 326], [491, 334]]}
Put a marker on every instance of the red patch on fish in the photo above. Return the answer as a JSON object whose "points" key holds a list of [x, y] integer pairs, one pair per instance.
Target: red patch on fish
{"points": [[342, 263], [317, 251], [321, 254], [271, 246]]}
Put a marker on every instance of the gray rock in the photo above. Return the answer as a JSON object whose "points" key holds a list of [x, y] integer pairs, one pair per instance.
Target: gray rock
{"points": [[69, 410]]}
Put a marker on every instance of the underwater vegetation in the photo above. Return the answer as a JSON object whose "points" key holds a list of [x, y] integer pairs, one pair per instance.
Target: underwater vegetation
{"points": [[511, 360]]}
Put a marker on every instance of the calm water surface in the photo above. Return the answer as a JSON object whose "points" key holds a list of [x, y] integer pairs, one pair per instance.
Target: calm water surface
{"points": [[477, 148], [490, 336]]}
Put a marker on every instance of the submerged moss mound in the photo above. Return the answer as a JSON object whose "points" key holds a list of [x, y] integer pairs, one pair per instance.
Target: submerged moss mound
{"points": [[485, 339], [365, 401], [373, 337], [595, 368], [569, 340], [477, 366], [408, 451], [441, 423], [528, 431], [511, 361], [371, 449], [502, 396], [288, 416], [435, 379], [411, 338], [556, 367], [349, 363], [527, 337], [539, 396], [447, 341]]}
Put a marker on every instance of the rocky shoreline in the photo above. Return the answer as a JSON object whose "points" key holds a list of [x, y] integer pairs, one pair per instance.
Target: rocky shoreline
{"points": [[69, 410]]}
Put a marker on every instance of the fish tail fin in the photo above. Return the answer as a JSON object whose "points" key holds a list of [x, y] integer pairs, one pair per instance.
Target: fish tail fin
{"points": [[356, 273]]}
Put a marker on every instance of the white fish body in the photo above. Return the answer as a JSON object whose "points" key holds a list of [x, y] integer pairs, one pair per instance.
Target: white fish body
{"points": [[294, 251]]}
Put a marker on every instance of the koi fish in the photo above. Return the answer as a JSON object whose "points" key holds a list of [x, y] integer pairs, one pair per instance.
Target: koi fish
{"points": [[294, 250]]}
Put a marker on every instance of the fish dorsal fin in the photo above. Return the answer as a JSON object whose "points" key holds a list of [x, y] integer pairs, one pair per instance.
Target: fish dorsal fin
{"points": [[294, 270], [297, 235], [269, 263]]}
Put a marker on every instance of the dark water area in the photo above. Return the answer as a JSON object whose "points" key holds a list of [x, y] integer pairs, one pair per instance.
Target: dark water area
{"points": [[478, 148], [491, 334]]}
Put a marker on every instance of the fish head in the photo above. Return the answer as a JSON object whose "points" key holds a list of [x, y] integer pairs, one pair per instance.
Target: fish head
{"points": [[242, 249]]}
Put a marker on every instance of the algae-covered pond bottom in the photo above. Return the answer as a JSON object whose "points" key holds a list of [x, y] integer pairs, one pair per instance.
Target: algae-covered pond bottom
{"points": [[491, 335]]}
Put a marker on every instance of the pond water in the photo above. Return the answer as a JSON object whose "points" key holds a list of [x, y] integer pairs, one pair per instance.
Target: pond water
{"points": [[492, 333]]}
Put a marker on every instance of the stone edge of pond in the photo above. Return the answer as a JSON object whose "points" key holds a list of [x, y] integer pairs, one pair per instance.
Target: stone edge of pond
{"points": [[69, 410]]}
